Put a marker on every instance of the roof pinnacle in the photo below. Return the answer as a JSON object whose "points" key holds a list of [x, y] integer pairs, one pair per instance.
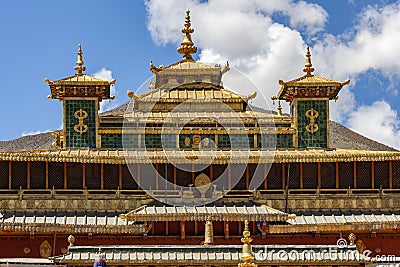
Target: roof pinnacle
{"points": [[187, 47], [308, 66], [79, 62]]}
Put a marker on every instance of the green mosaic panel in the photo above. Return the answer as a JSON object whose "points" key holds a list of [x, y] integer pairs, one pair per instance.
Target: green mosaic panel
{"points": [[284, 140], [320, 137], [266, 141], [235, 141], [76, 139], [159, 141], [211, 143], [117, 141], [224, 141], [275, 141]]}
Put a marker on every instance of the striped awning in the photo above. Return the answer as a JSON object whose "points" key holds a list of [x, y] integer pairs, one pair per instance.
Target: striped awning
{"points": [[68, 222], [200, 255], [343, 222]]}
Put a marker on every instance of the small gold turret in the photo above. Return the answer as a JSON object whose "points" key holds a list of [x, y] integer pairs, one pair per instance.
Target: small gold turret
{"points": [[308, 67], [79, 62], [187, 47], [247, 251]]}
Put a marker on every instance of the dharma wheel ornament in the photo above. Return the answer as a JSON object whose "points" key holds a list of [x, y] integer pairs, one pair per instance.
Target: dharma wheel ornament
{"points": [[247, 251]]}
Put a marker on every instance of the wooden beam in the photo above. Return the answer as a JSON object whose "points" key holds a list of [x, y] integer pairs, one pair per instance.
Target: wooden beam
{"points": [[193, 173], [47, 175], [175, 182], [138, 175], [247, 177], [211, 172], [265, 177], [120, 175], [355, 174], [283, 175], [166, 228], [319, 174], [372, 175], [28, 175], [156, 176], [229, 177], [390, 174], [83, 175], [337, 175], [65, 175], [9, 175], [102, 175], [301, 174]]}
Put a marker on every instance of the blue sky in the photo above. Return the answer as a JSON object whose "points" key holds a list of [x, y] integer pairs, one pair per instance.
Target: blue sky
{"points": [[266, 40]]}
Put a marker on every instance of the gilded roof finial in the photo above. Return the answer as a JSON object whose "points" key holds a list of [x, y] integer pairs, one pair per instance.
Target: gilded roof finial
{"points": [[279, 108], [79, 62], [247, 251], [308, 67], [187, 47]]}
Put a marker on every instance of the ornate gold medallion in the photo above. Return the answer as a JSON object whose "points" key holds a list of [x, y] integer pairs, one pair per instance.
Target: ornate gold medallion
{"points": [[312, 114], [45, 249], [81, 127]]}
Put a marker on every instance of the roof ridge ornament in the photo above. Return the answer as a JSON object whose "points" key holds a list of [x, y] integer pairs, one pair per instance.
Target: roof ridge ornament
{"points": [[187, 47], [308, 66], [79, 62]]}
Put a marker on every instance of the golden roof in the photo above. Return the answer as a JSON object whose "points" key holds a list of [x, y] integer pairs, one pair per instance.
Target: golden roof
{"points": [[199, 157], [192, 91], [186, 70], [310, 82], [59, 88]]}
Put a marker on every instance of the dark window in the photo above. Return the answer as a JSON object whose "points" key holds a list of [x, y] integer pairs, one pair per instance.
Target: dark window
{"points": [[3, 175], [381, 177], [328, 175], [19, 178], [56, 175], [74, 176], [274, 177], [111, 176], [346, 175], [363, 175], [38, 175], [310, 175], [92, 178]]}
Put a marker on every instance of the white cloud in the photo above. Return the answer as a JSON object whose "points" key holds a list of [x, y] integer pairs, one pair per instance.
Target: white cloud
{"points": [[106, 74], [377, 121], [371, 45]]}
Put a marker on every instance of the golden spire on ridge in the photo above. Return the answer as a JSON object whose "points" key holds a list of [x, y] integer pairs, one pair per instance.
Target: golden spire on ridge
{"points": [[79, 62], [247, 251], [187, 47], [308, 67]]}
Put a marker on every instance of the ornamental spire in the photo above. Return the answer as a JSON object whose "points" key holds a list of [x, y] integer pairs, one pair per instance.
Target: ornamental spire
{"points": [[79, 62], [247, 251], [187, 47], [308, 67]]}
